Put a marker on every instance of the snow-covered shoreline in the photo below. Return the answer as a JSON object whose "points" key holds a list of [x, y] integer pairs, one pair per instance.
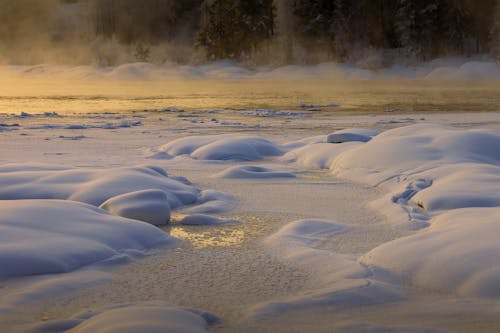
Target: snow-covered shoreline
{"points": [[436, 185]]}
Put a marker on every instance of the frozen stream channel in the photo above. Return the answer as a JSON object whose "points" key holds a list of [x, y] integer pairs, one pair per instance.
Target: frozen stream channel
{"points": [[235, 271]]}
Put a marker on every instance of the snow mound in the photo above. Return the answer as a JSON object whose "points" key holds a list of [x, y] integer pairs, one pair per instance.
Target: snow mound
{"points": [[151, 317], [460, 186], [470, 70], [347, 295], [222, 147], [349, 135], [410, 149], [338, 281], [457, 254], [56, 236], [305, 233], [150, 206], [447, 178], [92, 186], [252, 172], [212, 202], [202, 219], [317, 155]]}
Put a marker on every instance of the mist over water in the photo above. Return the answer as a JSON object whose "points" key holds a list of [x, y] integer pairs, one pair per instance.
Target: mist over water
{"points": [[133, 87], [121, 55]]}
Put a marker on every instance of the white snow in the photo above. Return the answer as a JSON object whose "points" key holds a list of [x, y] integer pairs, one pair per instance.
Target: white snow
{"points": [[317, 155], [57, 236], [148, 317], [445, 177], [338, 281], [457, 254], [224, 147], [349, 135], [90, 185], [252, 172], [212, 202], [147, 205]]}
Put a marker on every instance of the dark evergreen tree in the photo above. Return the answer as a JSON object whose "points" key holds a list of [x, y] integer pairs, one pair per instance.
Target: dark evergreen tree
{"points": [[233, 29], [416, 24], [495, 33]]}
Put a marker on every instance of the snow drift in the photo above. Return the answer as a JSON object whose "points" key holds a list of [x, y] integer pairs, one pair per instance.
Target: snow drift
{"points": [[152, 317], [92, 186], [223, 147], [57, 236]]}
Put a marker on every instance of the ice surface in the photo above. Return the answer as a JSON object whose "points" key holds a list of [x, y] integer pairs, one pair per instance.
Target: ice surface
{"points": [[202, 219]]}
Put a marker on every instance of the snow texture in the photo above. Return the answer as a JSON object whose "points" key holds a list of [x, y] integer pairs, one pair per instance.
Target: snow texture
{"points": [[340, 282], [225, 147], [448, 178], [151, 317], [150, 206], [57, 236], [349, 135], [252, 172], [92, 186]]}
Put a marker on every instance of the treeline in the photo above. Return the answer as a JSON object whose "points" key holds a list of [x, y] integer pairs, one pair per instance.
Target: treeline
{"points": [[291, 30], [419, 28], [239, 29]]}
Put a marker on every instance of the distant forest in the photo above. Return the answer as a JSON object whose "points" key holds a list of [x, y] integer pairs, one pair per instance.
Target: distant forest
{"points": [[287, 31]]}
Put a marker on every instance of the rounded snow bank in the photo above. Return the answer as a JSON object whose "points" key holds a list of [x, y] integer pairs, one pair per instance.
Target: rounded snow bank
{"points": [[253, 172], [471, 70], [349, 135], [222, 147], [318, 155], [415, 148], [149, 206], [151, 317], [56, 236], [92, 186], [459, 254]]}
